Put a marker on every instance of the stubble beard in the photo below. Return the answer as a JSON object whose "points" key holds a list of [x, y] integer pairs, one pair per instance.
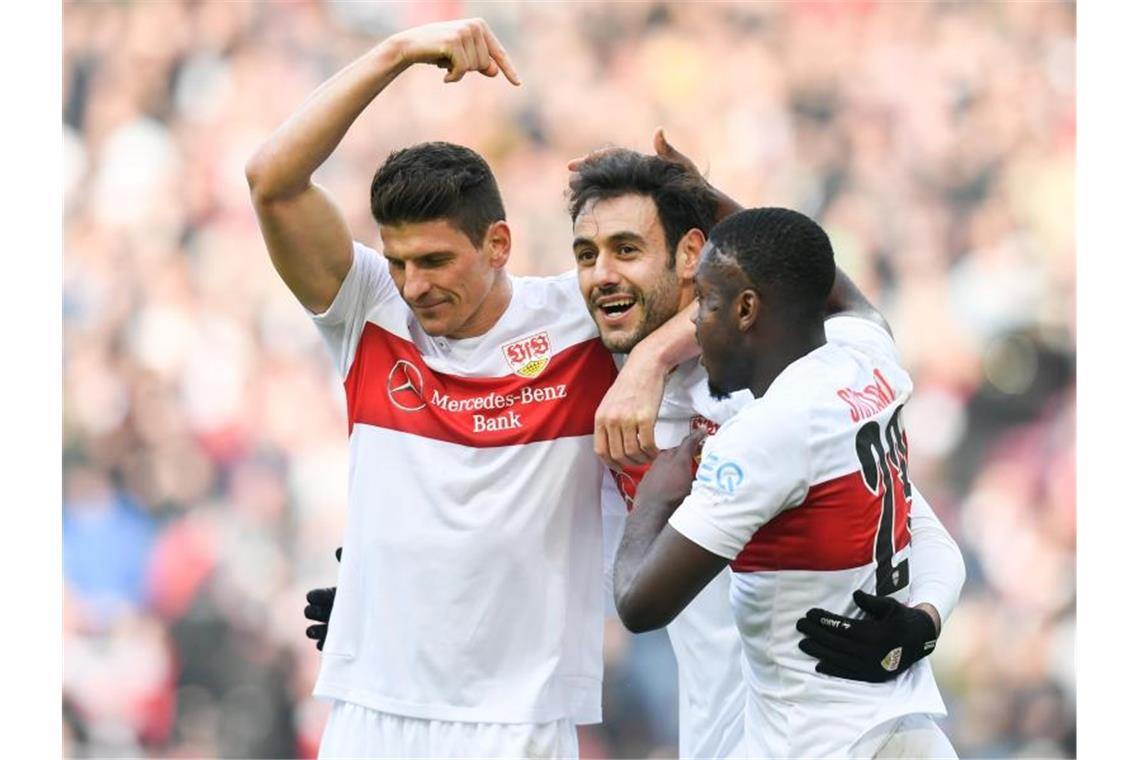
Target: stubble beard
{"points": [[656, 311]]}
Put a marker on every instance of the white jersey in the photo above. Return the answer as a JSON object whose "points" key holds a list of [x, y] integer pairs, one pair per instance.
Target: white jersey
{"points": [[471, 582], [806, 491], [710, 661]]}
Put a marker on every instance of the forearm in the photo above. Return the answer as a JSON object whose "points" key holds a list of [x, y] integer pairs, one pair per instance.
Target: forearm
{"points": [[284, 164], [642, 527], [671, 343], [937, 571], [725, 206]]}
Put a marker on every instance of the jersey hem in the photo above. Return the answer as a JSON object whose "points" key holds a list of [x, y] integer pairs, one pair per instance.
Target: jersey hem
{"points": [[583, 715]]}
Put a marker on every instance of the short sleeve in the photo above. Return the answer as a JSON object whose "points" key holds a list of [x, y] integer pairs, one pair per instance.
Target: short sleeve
{"points": [[366, 285], [751, 470], [861, 334]]}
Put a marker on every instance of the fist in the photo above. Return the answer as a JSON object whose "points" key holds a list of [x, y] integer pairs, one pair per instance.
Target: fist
{"points": [[671, 476]]}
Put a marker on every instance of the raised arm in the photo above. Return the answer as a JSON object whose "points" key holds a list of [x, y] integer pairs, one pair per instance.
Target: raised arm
{"points": [[307, 236]]}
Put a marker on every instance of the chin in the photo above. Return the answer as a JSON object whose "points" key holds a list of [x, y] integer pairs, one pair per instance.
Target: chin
{"points": [[619, 344], [436, 328], [622, 341], [718, 389], [718, 393]]}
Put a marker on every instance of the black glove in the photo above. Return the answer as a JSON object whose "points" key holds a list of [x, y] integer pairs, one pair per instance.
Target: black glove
{"points": [[876, 648], [320, 609]]}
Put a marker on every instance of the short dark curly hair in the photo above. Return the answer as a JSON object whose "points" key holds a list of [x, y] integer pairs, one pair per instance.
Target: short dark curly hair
{"points": [[782, 252], [683, 201], [437, 180]]}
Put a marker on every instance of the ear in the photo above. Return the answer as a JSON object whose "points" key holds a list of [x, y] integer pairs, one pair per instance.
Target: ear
{"points": [[747, 309], [689, 254], [497, 243]]}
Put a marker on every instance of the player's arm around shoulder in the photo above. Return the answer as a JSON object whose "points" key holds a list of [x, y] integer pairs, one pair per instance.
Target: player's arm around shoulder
{"points": [[846, 300], [682, 532]]}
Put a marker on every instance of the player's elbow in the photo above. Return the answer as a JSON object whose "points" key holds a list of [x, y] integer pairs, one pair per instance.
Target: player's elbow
{"points": [[261, 175], [255, 171], [637, 613]]}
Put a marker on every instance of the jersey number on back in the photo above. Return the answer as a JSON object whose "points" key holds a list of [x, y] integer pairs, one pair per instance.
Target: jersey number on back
{"points": [[885, 475]]}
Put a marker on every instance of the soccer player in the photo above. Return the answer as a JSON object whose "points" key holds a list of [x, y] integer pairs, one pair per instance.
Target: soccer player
{"points": [[640, 223], [804, 491], [469, 615]]}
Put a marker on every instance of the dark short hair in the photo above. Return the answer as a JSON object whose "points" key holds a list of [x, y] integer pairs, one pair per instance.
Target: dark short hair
{"points": [[683, 201], [438, 180], [781, 252]]}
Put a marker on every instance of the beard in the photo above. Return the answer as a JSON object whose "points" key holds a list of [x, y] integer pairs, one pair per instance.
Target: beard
{"points": [[658, 306], [718, 393]]}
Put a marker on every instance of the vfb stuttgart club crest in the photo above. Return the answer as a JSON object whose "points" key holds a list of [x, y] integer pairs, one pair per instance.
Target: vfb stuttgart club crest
{"points": [[529, 356]]}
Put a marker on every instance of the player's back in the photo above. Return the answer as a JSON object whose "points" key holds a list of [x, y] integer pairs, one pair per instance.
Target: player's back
{"points": [[837, 417]]}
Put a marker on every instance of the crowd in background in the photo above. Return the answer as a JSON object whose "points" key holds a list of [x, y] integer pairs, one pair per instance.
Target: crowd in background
{"points": [[205, 457]]}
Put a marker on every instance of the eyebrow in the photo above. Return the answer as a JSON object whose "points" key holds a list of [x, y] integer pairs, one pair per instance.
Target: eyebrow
{"points": [[624, 236], [420, 257]]}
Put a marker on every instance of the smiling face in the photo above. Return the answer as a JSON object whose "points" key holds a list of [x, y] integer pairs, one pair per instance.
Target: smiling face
{"points": [[624, 269], [454, 288]]}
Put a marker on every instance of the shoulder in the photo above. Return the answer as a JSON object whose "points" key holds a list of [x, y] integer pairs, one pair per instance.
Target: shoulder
{"points": [[554, 301], [557, 290], [766, 425]]}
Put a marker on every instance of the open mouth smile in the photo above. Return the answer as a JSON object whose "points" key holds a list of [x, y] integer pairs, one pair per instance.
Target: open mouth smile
{"points": [[615, 308]]}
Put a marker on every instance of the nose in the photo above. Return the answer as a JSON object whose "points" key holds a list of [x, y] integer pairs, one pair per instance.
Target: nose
{"points": [[604, 271], [416, 283]]}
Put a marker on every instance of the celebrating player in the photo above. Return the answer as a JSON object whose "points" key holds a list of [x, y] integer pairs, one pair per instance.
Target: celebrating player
{"points": [[804, 491], [468, 618], [640, 223]]}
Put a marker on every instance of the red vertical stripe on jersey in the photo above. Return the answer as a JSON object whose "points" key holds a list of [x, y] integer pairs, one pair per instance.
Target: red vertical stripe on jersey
{"points": [[390, 386], [833, 529]]}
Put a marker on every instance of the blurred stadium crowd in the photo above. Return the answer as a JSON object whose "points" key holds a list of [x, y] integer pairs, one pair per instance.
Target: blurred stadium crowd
{"points": [[205, 462]]}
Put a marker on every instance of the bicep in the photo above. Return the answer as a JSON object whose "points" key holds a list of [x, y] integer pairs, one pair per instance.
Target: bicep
{"points": [[674, 571], [309, 243]]}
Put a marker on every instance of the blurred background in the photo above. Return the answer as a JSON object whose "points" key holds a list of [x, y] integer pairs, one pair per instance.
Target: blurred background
{"points": [[205, 463]]}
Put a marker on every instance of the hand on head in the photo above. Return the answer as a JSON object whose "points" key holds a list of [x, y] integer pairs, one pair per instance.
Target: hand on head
{"points": [[662, 148]]}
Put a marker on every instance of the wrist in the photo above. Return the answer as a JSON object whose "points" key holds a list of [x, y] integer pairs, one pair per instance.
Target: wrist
{"points": [[932, 612], [392, 55], [650, 357]]}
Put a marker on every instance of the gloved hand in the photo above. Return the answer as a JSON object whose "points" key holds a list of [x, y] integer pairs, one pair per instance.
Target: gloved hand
{"points": [[319, 609], [876, 648]]}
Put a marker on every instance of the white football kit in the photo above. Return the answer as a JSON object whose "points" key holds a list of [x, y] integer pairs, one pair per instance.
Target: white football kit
{"points": [[472, 576], [806, 490]]}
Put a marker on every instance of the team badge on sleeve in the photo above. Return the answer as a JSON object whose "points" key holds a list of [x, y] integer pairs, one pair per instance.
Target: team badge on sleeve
{"points": [[725, 476], [529, 356]]}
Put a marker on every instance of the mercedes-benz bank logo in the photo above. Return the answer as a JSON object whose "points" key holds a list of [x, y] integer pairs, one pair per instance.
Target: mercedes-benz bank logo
{"points": [[406, 386]]}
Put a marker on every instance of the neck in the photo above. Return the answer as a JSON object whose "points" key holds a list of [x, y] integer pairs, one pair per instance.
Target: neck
{"points": [[489, 312], [784, 346]]}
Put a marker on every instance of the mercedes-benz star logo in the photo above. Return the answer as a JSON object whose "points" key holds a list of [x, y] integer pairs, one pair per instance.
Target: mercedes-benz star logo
{"points": [[406, 386]]}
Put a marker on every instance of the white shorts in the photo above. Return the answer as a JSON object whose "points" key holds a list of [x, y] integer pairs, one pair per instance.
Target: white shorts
{"points": [[911, 737], [356, 731]]}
